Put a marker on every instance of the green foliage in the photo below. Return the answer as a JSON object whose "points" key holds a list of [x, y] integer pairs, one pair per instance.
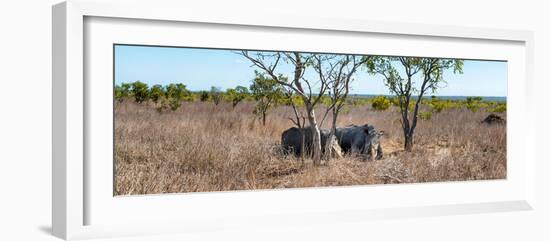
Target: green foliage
{"points": [[325, 100], [498, 108], [473, 103], [122, 91], [431, 70], [174, 103], [168, 103], [216, 94], [395, 101], [178, 92], [140, 91], [156, 93], [380, 103], [235, 96], [286, 100], [438, 105], [204, 96], [267, 93]]}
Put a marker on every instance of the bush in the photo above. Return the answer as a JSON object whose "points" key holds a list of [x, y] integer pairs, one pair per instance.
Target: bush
{"points": [[380, 103], [437, 105], [498, 108], [235, 96], [178, 92], [168, 103], [140, 91], [285, 100], [204, 96], [122, 91], [156, 93], [473, 103], [174, 104], [395, 101]]}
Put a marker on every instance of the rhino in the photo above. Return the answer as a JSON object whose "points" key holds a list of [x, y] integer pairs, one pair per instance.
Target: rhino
{"points": [[360, 140], [291, 141], [353, 139]]}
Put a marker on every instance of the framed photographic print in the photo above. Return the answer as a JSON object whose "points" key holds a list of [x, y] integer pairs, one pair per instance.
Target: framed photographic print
{"points": [[177, 121]]}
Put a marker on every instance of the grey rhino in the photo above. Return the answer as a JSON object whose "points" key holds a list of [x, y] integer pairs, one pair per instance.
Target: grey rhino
{"points": [[291, 141], [362, 140], [353, 139]]}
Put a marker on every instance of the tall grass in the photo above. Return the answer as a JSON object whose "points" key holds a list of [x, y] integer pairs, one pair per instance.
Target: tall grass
{"points": [[203, 147]]}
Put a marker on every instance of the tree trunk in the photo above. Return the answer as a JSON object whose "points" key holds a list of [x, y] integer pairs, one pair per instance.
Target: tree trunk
{"points": [[331, 136], [316, 135], [407, 130], [263, 118], [408, 142]]}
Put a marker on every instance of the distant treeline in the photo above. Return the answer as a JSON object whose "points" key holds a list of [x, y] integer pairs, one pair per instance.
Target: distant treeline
{"points": [[172, 95]]}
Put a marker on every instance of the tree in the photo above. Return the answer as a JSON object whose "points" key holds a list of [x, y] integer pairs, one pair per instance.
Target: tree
{"points": [[428, 72], [178, 92], [266, 92], [237, 95], [140, 91], [337, 72], [204, 96], [156, 93], [171, 96], [310, 91], [122, 91], [216, 95]]}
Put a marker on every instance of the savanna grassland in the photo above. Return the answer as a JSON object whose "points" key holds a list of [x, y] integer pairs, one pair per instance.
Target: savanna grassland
{"points": [[202, 147]]}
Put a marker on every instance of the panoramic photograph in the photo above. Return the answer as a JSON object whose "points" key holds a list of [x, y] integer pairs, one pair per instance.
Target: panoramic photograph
{"points": [[207, 120]]}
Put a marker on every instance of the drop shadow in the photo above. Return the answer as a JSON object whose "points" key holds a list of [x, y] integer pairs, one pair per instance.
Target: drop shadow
{"points": [[46, 229]]}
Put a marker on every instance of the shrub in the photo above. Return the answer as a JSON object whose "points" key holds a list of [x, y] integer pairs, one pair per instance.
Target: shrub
{"points": [[174, 104], [380, 103], [204, 96], [473, 103], [140, 91], [156, 93], [498, 108], [286, 100], [395, 101], [235, 96], [178, 92], [122, 91], [437, 105], [168, 103]]}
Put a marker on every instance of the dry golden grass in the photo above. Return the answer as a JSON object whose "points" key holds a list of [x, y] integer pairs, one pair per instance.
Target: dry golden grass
{"points": [[202, 147]]}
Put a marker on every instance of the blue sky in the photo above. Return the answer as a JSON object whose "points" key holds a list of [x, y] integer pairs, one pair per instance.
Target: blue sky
{"points": [[200, 69]]}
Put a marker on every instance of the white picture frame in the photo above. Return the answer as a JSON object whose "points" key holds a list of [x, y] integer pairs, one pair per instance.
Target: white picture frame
{"points": [[73, 191]]}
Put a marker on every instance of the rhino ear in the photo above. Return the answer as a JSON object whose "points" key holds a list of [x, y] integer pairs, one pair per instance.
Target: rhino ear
{"points": [[367, 130]]}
